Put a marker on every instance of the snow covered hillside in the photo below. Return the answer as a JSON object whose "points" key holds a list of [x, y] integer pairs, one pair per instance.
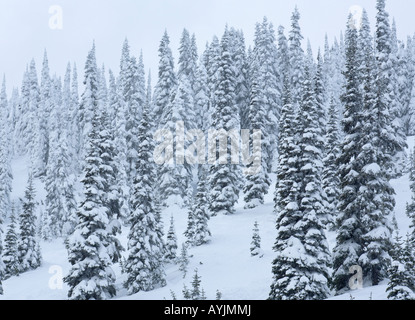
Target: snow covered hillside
{"points": [[225, 264]]}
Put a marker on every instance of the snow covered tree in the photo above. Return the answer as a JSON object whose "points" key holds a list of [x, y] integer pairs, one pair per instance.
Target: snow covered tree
{"points": [[29, 256], [120, 145], [6, 175], [183, 260], [257, 184], [171, 243], [196, 289], [256, 242], [224, 179], [89, 100], [386, 101], [144, 266], [10, 254], [331, 182], [198, 232], [91, 276], [301, 246], [167, 80], [296, 56], [401, 284], [349, 227]]}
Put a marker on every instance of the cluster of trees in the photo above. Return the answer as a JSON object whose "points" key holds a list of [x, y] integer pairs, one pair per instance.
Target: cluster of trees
{"points": [[333, 130]]}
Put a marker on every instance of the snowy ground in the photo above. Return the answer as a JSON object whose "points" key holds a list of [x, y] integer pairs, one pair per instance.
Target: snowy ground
{"points": [[224, 264]]}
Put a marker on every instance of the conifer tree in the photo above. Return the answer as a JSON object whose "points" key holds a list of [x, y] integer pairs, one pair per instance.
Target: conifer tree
{"points": [[183, 260], [200, 233], [331, 182], [386, 100], [6, 175], [144, 265], [29, 256], [171, 243], [91, 277], [401, 274], [349, 227], [10, 255], [256, 242], [224, 179]]}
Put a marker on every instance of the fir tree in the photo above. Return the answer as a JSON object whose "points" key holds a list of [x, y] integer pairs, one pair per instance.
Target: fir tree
{"points": [[171, 243], [401, 284], [91, 277], [331, 182], [256, 242], [200, 233], [6, 175], [349, 227], [10, 255], [144, 265], [29, 256], [183, 260], [224, 179], [196, 289]]}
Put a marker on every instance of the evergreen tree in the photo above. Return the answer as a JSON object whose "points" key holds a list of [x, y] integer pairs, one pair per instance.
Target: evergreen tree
{"points": [[91, 277], [144, 265], [171, 243], [45, 108], [6, 176], [89, 100], [386, 101], [183, 260], [29, 256], [331, 182], [224, 179], [401, 284], [167, 80], [296, 56], [120, 145], [301, 245], [200, 233], [196, 289], [256, 242], [349, 227], [10, 255], [257, 184]]}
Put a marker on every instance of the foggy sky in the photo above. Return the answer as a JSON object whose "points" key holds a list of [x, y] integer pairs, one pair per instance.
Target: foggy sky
{"points": [[25, 31]]}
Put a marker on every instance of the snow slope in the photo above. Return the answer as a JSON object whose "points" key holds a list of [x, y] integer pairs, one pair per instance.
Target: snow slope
{"points": [[224, 264]]}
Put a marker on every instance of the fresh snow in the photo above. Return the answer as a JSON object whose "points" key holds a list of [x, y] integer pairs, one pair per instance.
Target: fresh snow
{"points": [[224, 264]]}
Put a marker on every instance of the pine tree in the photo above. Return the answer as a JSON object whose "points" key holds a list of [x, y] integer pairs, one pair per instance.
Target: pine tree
{"points": [[120, 145], [296, 55], [301, 245], [386, 101], [196, 289], [171, 243], [257, 184], [10, 255], [91, 277], [224, 179], [45, 108], [167, 80], [29, 257], [144, 265], [401, 285], [183, 260], [331, 182], [256, 242], [200, 233], [89, 100], [349, 227], [6, 175]]}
